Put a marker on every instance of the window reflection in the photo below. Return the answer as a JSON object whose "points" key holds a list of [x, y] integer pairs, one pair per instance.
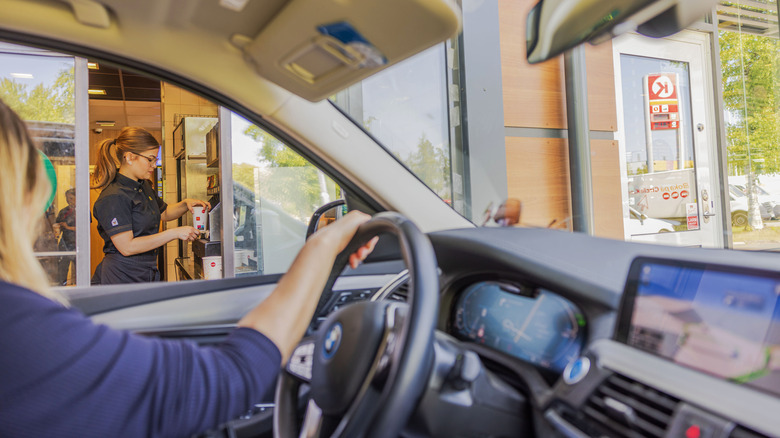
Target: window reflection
{"points": [[659, 144], [275, 193], [41, 90], [413, 109]]}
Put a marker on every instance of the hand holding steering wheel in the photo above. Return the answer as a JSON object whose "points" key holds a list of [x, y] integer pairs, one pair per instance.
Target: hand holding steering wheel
{"points": [[369, 362]]}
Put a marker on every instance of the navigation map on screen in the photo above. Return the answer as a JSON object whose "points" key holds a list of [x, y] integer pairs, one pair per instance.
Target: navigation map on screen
{"points": [[721, 322]]}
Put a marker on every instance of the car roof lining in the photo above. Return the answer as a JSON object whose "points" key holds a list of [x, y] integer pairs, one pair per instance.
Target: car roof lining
{"points": [[300, 45]]}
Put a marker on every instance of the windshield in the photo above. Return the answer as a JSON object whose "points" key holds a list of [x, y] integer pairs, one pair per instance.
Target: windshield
{"points": [[478, 124], [412, 112]]}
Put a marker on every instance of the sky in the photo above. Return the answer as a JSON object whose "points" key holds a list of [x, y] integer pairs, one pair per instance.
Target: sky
{"points": [[245, 149]]}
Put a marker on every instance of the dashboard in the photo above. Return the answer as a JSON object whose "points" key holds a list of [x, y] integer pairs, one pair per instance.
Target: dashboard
{"points": [[641, 340], [606, 338]]}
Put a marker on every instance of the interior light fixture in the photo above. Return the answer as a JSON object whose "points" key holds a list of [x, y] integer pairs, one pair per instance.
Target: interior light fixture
{"points": [[96, 91], [93, 66], [105, 122], [22, 75]]}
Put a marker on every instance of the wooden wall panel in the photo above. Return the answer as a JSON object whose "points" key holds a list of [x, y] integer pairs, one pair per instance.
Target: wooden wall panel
{"points": [[538, 175], [607, 200], [537, 171], [535, 95], [602, 110]]}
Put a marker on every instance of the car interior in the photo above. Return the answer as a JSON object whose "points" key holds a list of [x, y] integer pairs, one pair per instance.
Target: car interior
{"points": [[447, 329]]}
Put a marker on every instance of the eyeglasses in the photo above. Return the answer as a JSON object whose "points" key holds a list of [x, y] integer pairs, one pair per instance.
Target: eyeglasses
{"points": [[151, 160]]}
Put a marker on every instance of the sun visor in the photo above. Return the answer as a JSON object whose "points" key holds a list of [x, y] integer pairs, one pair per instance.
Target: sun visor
{"points": [[314, 48]]}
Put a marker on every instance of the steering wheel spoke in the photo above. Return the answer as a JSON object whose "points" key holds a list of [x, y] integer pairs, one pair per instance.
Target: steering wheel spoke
{"points": [[300, 364]]}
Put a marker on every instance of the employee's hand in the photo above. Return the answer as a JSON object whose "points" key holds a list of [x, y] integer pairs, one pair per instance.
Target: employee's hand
{"points": [[192, 203], [186, 233]]}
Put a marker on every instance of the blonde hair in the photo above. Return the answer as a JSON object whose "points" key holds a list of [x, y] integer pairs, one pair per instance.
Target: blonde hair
{"points": [[131, 139], [26, 190]]}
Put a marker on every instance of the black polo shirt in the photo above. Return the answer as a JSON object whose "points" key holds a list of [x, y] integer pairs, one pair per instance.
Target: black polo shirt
{"points": [[125, 205]]}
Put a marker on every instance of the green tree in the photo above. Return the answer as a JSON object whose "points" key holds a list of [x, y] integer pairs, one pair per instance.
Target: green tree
{"points": [[244, 174], [287, 179], [751, 94], [431, 165], [54, 103]]}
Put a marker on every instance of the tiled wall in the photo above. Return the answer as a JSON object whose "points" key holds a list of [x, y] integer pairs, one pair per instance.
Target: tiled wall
{"points": [[176, 102]]}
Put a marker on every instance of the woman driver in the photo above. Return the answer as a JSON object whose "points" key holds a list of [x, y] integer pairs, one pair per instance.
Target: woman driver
{"points": [[63, 375], [129, 211]]}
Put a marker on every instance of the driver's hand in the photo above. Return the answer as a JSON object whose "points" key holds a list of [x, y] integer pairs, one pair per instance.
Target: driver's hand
{"points": [[341, 232], [362, 252], [285, 314]]}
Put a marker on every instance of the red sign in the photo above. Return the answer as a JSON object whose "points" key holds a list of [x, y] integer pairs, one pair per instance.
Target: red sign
{"points": [[662, 86], [664, 108], [666, 195], [693, 222], [213, 264], [675, 195], [684, 193]]}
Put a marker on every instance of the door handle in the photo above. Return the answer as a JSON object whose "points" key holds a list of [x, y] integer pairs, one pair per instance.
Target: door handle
{"points": [[709, 214]]}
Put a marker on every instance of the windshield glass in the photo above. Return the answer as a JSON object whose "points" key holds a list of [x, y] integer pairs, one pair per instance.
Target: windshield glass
{"points": [[412, 112], [478, 124]]}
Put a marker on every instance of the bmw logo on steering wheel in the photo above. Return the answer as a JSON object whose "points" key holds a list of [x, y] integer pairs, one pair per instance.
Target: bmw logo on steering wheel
{"points": [[332, 340]]}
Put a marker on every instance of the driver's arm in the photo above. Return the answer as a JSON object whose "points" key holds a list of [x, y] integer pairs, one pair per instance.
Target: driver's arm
{"points": [[285, 314], [133, 385]]}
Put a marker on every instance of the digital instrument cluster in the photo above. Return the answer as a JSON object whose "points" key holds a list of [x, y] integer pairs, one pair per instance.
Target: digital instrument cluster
{"points": [[535, 325]]}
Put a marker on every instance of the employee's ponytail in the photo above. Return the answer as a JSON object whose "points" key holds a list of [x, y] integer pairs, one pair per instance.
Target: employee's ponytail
{"points": [[131, 139], [106, 167]]}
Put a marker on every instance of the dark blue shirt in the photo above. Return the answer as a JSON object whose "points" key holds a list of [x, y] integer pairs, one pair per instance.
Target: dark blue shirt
{"points": [[61, 375], [67, 216], [127, 205]]}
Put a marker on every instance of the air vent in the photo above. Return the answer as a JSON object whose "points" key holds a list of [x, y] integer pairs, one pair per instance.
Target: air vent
{"points": [[741, 432], [401, 293], [621, 407]]}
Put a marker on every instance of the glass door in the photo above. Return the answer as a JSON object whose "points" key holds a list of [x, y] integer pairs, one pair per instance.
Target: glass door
{"points": [[666, 128], [42, 88]]}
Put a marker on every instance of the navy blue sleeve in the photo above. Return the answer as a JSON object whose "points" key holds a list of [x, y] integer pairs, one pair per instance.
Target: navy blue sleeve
{"points": [[63, 375], [114, 213]]}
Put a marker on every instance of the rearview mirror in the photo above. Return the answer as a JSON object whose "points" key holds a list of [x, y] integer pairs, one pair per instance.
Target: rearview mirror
{"points": [[554, 26]]}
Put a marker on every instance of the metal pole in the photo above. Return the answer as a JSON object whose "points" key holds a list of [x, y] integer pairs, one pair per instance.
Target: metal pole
{"points": [[226, 198], [648, 129], [579, 140], [81, 158]]}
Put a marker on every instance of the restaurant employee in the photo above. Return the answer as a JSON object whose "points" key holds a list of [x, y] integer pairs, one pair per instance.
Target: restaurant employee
{"points": [[128, 210]]}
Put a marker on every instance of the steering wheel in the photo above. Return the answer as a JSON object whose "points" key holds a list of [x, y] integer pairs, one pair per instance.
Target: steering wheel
{"points": [[369, 362]]}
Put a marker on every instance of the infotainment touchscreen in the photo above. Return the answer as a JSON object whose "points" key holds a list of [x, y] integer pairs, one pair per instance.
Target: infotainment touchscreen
{"points": [[719, 320]]}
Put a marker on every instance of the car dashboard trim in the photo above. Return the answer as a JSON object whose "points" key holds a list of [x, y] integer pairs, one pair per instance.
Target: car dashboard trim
{"points": [[743, 405]]}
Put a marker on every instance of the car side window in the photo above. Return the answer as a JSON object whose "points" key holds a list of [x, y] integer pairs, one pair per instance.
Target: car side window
{"points": [[275, 192], [270, 189]]}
